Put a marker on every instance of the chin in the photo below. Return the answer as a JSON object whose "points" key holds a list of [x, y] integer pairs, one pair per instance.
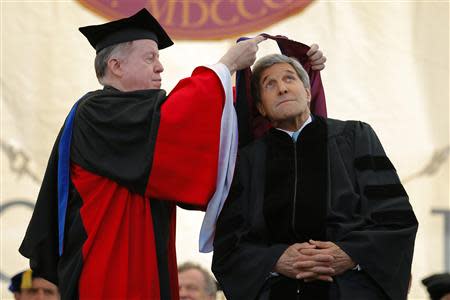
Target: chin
{"points": [[155, 85], [151, 87], [289, 114]]}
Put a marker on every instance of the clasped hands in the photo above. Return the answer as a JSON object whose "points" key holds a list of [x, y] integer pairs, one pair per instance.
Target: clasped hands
{"points": [[313, 260]]}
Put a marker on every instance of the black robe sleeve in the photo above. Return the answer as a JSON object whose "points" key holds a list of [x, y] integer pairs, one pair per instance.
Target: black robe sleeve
{"points": [[384, 246], [40, 244], [242, 261]]}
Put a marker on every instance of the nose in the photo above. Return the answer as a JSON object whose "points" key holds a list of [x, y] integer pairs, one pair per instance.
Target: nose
{"points": [[282, 88], [159, 67]]}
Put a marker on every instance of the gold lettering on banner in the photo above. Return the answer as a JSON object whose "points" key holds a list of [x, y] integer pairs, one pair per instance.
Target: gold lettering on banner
{"points": [[159, 9], [274, 5], [186, 22], [217, 19], [242, 9]]}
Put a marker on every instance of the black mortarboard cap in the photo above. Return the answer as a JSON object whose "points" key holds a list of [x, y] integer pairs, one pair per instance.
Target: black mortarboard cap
{"points": [[139, 26], [20, 281], [437, 285], [16, 280]]}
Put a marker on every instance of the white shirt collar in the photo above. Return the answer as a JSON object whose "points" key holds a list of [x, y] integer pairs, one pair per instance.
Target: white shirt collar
{"points": [[309, 120]]}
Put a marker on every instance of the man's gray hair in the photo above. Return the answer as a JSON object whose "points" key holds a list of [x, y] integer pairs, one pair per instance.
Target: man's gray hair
{"points": [[266, 62], [101, 60], [210, 282]]}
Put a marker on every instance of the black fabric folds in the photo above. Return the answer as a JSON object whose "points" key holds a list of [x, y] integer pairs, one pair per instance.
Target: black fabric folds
{"points": [[375, 163], [295, 202], [117, 143], [385, 191]]}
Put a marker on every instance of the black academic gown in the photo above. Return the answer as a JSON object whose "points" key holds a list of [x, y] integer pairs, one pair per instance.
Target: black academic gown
{"points": [[336, 184]]}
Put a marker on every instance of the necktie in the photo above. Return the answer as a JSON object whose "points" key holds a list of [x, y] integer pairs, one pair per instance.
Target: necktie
{"points": [[295, 136]]}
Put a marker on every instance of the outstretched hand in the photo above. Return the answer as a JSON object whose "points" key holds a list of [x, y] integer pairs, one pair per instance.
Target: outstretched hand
{"points": [[242, 54], [316, 57]]}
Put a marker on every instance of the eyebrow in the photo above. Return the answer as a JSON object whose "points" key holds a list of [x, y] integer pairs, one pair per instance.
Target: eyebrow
{"points": [[264, 79], [152, 52], [287, 70]]}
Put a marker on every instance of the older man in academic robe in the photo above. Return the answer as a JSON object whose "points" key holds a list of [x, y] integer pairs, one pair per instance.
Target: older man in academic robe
{"points": [[316, 209]]}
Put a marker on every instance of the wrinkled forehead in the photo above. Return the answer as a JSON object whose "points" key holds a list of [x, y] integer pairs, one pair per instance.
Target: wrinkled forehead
{"points": [[145, 46], [192, 276], [276, 70], [41, 283]]}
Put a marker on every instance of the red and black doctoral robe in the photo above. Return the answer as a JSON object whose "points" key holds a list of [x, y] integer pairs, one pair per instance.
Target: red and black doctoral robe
{"points": [[133, 157]]}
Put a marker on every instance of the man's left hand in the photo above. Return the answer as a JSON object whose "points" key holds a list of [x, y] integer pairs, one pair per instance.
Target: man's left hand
{"points": [[316, 57], [342, 262]]}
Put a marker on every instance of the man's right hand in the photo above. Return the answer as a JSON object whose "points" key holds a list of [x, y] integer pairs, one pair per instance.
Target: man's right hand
{"points": [[242, 55], [293, 264]]}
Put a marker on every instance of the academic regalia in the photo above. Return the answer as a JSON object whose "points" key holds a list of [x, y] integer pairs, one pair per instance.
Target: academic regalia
{"points": [[334, 184], [22, 280], [438, 285], [133, 157]]}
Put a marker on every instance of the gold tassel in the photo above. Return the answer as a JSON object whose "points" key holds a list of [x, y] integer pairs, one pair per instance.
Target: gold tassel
{"points": [[26, 280]]}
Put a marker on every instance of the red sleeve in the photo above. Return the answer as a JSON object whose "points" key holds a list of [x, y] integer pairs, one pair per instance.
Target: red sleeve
{"points": [[186, 153]]}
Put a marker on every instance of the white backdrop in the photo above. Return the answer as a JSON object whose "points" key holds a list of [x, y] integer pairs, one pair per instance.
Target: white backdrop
{"points": [[388, 64]]}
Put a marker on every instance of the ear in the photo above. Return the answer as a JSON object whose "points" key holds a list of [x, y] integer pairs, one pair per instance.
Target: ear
{"points": [[261, 109], [115, 67], [308, 96]]}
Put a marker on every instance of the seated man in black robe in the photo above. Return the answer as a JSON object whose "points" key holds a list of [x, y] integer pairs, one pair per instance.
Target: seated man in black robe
{"points": [[316, 209]]}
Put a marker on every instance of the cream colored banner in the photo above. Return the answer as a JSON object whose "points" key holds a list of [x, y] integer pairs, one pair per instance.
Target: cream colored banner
{"points": [[388, 64]]}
